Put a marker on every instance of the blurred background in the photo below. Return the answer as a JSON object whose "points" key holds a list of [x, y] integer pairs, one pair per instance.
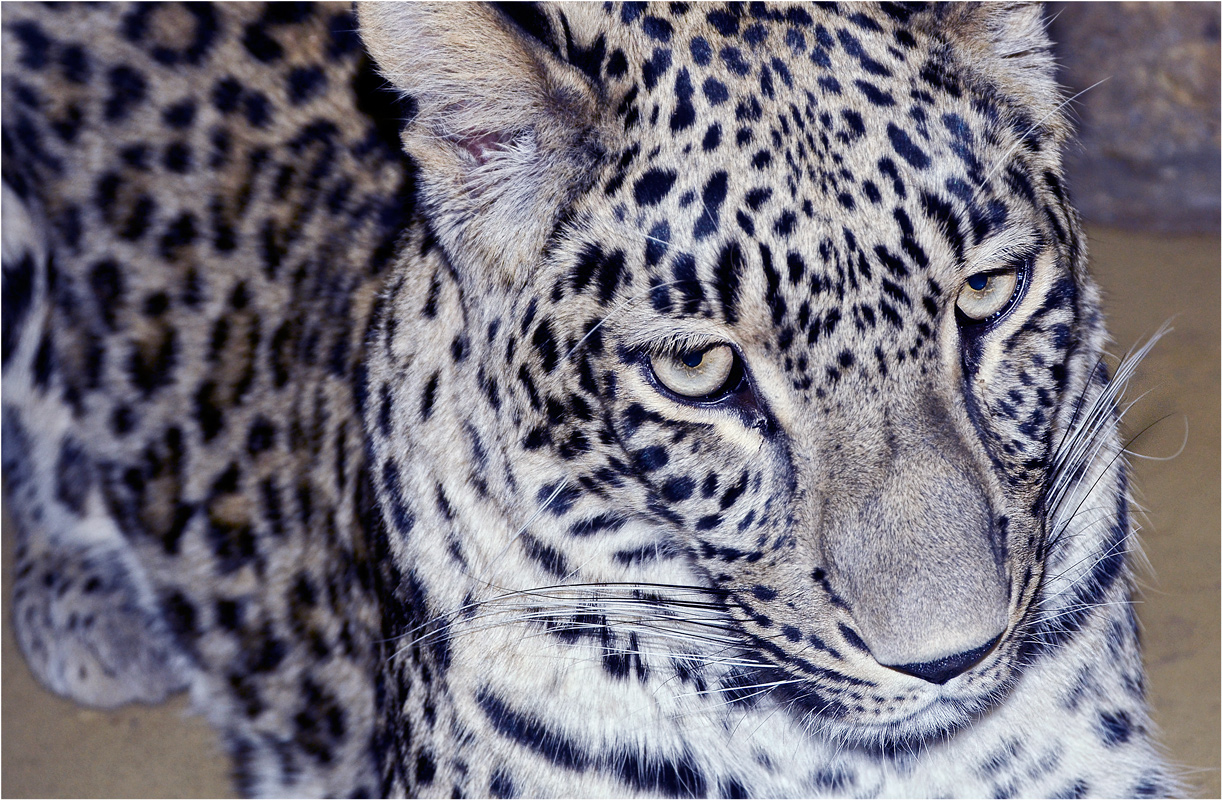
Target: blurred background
{"points": [[1145, 175], [1149, 129]]}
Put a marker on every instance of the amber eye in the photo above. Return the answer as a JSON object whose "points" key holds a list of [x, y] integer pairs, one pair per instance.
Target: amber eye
{"points": [[695, 374], [986, 294]]}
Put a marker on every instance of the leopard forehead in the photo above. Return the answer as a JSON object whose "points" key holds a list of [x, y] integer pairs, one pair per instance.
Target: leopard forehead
{"points": [[849, 169], [812, 186]]}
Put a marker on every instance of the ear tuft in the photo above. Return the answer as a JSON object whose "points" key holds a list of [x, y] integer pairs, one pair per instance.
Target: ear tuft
{"points": [[505, 135]]}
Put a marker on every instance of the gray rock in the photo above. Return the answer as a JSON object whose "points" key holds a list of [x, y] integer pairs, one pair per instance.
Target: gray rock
{"points": [[1149, 133]]}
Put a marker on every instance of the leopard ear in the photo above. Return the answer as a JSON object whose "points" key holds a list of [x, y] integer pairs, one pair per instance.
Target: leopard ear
{"points": [[505, 135], [1008, 44]]}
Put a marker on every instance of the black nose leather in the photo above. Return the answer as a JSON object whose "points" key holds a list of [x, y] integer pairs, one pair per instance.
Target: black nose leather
{"points": [[941, 670]]}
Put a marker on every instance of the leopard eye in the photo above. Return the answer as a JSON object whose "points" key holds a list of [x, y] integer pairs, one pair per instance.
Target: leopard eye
{"points": [[986, 294], [695, 374]]}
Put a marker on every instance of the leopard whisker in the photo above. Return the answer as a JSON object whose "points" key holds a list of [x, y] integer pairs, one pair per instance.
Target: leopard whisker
{"points": [[1006, 157]]}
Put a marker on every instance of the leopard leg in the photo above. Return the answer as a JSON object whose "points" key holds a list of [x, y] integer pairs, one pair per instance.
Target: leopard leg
{"points": [[85, 629], [85, 616]]}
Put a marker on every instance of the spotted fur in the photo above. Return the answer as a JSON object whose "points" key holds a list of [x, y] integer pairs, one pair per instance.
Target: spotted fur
{"points": [[331, 393]]}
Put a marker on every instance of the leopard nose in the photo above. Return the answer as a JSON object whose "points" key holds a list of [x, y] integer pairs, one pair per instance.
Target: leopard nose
{"points": [[940, 670]]}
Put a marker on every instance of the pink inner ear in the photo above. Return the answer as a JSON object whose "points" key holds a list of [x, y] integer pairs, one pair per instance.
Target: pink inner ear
{"points": [[481, 145]]}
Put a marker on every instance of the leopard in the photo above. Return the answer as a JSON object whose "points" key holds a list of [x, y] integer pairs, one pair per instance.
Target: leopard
{"points": [[586, 399]]}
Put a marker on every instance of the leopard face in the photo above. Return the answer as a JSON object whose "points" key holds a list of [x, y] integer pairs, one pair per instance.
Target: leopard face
{"points": [[801, 340]]}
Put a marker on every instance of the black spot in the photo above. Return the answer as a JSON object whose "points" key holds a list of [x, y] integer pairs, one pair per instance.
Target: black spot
{"points": [[653, 69], [715, 91], [603, 522], [75, 64], [127, 90], [678, 489], [724, 22], [906, 148], [1078, 789], [401, 517], [702, 53], [631, 12], [654, 185], [558, 500], [228, 614], [34, 44], [748, 110], [181, 616], [713, 195], [261, 45], [425, 768], [852, 638], [545, 555], [429, 395], [500, 785], [150, 373], [610, 271], [531, 733], [179, 233], [648, 773], [177, 159], [226, 95], [853, 119], [755, 35], [261, 436], [657, 243], [685, 113], [757, 197], [69, 126], [731, 494], [876, 96], [257, 109], [545, 344], [304, 83], [853, 47], [834, 781], [786, 223], [106, 283], [123, 421], [136, 27], [941, 212], [617, 67], [208, 411], [733, 59], [73, 475], [763, 593], [657, 28], [728, 278], [687, 282], [180, 115], [651, 458], [1115, 728]]}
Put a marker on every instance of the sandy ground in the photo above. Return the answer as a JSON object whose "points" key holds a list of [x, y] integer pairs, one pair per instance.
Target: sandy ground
{"points": [[53, 748]]}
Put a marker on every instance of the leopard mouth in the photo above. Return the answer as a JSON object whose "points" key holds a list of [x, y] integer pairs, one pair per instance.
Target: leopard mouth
{"points": [[874, 707], [881, 722]]}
